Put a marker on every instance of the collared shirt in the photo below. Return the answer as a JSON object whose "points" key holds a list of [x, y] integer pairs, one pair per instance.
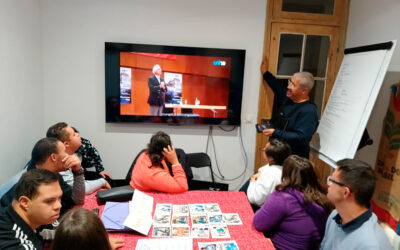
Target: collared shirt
{"points": [[362, 232], [355, 223]]}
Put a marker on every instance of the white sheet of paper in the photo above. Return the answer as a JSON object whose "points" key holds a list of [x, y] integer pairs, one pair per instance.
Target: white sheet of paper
{"points": [[140, 209], [165, 244]]}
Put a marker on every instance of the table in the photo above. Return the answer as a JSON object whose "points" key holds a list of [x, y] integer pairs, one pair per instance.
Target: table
{"points": [[246, 236], [193, 106]]}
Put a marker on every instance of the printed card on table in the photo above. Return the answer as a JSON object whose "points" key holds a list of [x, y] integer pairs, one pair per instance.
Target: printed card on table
{"points": [[163, 208], [199, 219], [180, 220], [161, 232], [220, 245], [208, 245], [215, 219], [200, 232], [181, 231], [232, 219], [220, 231], [197, 208], [229, 245], [212, 208], [180, 210], [162, 219]]}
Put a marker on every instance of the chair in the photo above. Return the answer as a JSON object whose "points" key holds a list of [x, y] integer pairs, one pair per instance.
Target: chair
{"points": [[201, 160]]}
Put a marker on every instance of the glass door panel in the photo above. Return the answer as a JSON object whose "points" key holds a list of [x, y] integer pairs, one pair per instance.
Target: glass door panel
{"points": [[309, 6], [290, 48]]}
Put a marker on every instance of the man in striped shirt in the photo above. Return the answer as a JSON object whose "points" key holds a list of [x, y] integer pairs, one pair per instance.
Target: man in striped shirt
{"points": [[37, 201]]}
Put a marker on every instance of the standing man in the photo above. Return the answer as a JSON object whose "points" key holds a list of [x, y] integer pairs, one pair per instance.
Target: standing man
{"points": [[297, 119], [352, 225], [36, 202], [50, 154], [156, 88]]}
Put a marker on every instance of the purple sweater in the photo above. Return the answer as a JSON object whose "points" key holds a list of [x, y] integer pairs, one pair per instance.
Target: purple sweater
{"points": [[288, 224]]}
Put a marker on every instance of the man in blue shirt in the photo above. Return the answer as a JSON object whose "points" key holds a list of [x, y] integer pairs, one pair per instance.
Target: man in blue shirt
{"points": [[352, 225]]}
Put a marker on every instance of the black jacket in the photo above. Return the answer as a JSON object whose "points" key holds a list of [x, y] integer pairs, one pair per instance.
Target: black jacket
{"points": [[156, 93], [15, 233]]}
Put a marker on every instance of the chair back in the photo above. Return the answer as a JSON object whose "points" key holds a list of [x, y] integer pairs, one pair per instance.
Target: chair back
{"points": [[200, 160]]}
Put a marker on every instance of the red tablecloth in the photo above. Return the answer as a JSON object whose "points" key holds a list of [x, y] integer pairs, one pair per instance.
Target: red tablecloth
{"points": [[246, 236]]}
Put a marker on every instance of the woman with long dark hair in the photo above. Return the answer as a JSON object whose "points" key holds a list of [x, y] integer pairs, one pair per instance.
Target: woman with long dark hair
{"points": [[295, 214], [151, 173]]}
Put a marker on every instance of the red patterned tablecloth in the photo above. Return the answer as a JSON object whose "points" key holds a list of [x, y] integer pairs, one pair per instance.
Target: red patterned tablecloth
{"points": [[246, 236]]}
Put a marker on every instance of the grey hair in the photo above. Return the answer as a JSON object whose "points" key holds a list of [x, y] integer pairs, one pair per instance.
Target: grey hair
{"points": [[306, 79], [155, 67]]}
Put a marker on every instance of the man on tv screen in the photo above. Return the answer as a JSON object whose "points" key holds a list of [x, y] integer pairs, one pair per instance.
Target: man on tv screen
{"points": [[157, 88]]}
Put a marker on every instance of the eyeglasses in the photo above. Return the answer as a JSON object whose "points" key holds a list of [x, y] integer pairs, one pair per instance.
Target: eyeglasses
{"points": [[290, 82], [330, 180]]}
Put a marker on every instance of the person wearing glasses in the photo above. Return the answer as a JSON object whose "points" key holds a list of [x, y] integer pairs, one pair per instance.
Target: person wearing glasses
{"points": [[295, 119], [295, 214], [352, 225]]}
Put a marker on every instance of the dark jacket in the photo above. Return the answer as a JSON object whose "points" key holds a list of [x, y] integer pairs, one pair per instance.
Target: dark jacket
{"points": [[15, 233], [156, 93]]}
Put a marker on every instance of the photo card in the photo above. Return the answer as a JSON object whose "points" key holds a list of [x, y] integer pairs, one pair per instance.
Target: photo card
{"points": [[180, 220], [215, 219], [181, 231], [180, 210], [199, 219], [162, 220], [163, 208], [200, 232], [212, 208], [161, 232], [197, 208], [207, 245], [229, 245], [232, 219], [220, 231]]}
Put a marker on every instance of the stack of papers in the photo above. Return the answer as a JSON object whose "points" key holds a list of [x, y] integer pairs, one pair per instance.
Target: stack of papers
{"points": [[135, 215]]}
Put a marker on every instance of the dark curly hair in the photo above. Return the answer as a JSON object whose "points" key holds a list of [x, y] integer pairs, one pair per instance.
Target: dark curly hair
{"points": [[155, 148]]}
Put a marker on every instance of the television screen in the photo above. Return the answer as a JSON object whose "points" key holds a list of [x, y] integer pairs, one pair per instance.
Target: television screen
{"points": [[172, 84]]}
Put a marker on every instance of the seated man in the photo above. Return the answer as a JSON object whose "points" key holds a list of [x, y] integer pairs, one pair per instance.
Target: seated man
{"points": [[50, 154], [36, 202], [91, 159], [72, 142], [352, 225]]}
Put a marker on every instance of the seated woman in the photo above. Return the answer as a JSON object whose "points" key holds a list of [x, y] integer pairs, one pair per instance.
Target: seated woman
{"points": [[295, 214], [263, 183], [82, 229], [150, 172]]}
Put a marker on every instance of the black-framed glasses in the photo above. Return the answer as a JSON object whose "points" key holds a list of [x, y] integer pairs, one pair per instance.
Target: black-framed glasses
{"points": [[330, 180]]}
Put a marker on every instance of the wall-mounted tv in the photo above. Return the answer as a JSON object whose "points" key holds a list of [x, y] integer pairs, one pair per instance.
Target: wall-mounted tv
{"points": [[173, 84]]}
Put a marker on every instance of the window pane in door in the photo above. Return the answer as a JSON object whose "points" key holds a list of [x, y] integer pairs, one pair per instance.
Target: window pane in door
{"points": [[317, 95], [316, 55], [309, 6], [290, 46]]}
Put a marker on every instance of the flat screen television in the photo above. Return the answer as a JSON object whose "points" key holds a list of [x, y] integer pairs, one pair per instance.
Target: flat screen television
{"points": [[196, 85]]}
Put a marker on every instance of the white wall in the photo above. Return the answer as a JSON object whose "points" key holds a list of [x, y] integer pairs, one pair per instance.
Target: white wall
{"points": [[73, 39], [374, 22], [21, 91]]}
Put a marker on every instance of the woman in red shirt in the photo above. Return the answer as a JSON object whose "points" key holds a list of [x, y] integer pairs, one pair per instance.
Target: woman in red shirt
{"points": [[150, 172]]}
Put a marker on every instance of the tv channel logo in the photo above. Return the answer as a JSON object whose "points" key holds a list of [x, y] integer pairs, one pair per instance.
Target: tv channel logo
{"points": [[219, 63]]}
